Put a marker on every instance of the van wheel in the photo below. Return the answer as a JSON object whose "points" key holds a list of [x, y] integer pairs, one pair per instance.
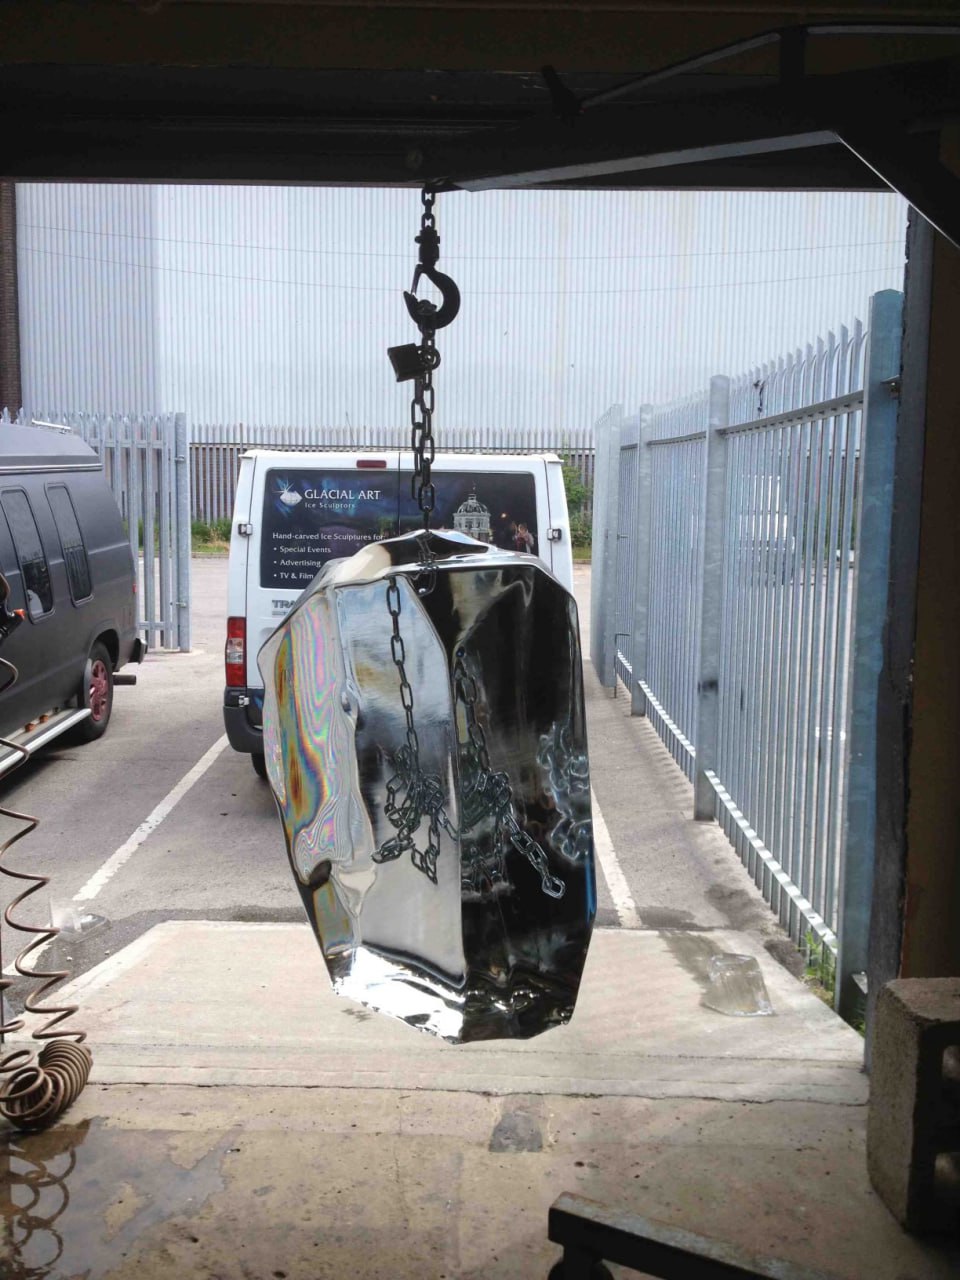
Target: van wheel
{"points": [[97, 694], [259, 763]]}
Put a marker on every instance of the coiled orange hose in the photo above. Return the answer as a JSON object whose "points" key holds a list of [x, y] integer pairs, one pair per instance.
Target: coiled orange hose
{"points": [[36, 1092]]}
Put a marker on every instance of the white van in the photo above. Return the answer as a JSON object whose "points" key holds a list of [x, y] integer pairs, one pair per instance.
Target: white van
{"points": [[297, 509]]}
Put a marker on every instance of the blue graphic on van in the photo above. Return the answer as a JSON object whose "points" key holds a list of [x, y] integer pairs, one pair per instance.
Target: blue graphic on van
{"points": [[312, 516]]}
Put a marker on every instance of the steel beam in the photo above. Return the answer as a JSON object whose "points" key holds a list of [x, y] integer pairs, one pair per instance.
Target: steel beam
{"points": [[921, 179], [612, 141], [907, 105]]}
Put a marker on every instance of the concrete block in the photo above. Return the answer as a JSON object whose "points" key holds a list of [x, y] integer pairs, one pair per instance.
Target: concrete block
{"points": [[913, 1126]]}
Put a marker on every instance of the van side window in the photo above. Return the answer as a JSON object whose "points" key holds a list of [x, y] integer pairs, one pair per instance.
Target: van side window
{"points": [[71, 540], [29, 548]]}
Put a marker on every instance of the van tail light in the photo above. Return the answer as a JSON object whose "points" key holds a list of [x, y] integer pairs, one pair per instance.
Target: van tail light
{"points": [[235, 653]]}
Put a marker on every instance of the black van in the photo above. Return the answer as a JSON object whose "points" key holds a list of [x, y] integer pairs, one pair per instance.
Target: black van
{"points": [[72, 582]]}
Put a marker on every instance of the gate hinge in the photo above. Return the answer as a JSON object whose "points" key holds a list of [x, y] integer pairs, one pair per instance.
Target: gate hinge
{"points": [[892, 385]]}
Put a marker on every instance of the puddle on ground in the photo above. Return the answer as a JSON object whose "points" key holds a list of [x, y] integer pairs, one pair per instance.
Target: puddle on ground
{"points": [[76, 1200], [693, 951], [668, 918]]}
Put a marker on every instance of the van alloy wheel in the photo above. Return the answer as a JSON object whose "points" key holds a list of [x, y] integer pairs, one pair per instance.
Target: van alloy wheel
{"points": [[99, 693], [96, 692]]}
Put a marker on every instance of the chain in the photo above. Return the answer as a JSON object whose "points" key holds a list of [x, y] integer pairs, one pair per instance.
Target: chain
{"points": [[424, 397], [399, 655], [418, 361], [489, 794], [411, 794]]}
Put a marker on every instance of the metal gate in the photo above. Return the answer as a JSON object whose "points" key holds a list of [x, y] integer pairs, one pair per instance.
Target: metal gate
{"points": [[755, 573], [145, 462]]}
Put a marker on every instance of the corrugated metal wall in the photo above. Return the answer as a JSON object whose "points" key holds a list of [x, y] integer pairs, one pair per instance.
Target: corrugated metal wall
{"points": [[276, 305], [88, 321]]}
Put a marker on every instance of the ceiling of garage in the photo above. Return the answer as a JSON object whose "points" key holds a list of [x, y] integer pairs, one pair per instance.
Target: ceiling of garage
{"points": [[455, 93]]}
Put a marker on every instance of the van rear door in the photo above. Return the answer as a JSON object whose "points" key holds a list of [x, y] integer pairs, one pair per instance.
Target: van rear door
{"points": [[310, 511]]}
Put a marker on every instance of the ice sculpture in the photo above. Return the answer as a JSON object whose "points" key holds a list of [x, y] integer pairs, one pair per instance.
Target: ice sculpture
{"points": [[425, 741]]}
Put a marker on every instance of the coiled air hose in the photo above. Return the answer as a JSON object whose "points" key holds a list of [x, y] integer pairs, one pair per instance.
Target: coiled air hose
{"points": [[34, 1092]]}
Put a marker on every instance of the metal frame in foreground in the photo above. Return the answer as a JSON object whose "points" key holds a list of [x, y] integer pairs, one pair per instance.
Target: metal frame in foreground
{"points": [[591, 1233]]}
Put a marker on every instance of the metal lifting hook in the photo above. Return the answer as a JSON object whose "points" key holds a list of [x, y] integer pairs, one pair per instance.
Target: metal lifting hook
{"points": [[426, 315]]}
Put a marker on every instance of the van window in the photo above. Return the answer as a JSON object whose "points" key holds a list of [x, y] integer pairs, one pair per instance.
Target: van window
{"points": [[499, 507], [313, 516], [71, 540], [29, 548]]}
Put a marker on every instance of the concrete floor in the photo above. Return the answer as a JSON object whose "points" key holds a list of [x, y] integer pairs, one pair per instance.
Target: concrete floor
{"points": [[243, 1122]]}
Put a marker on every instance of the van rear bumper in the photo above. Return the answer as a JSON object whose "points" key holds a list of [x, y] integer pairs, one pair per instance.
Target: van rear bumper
{"points": [[242, 734]]}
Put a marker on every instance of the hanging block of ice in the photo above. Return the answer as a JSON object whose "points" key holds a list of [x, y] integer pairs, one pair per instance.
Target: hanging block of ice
{"points": [[425, 741]]}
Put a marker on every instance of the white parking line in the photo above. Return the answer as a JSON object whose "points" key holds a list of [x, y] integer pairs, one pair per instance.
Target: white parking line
{"points": [[149, 824], [623, 902]]}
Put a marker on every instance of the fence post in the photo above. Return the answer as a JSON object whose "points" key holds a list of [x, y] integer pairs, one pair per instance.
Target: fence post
{"points": [[604, 553], [611, 557], [878, 437], [711, 601], [598, 535], [182, 485], [638, 699]]}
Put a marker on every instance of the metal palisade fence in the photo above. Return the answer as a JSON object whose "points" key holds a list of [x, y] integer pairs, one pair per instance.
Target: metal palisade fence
{"points": [[216, 450], [145, 462], [741, 542]]}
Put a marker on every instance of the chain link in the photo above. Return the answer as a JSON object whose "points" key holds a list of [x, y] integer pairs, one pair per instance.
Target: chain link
{"points": [[489, 794], [428, 199], [424, 397], [421, 436], [412, 794]]}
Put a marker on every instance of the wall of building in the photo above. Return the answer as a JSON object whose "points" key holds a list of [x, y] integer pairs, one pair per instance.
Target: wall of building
{"points": [[88, 321], [275, 305], [10, 392]]}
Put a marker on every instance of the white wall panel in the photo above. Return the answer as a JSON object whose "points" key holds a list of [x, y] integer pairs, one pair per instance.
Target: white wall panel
{"points": [[88, 303], [275, 305]]}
